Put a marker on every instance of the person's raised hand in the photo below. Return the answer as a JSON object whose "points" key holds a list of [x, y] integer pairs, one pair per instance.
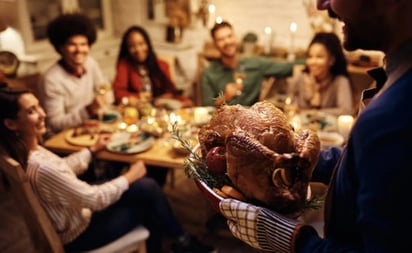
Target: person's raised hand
{"points": [[136, 171], [232, 90], [101, 143], [96, 105]]}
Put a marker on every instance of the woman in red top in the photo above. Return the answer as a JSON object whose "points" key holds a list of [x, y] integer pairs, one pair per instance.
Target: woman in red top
{"points": [[139, 70]]}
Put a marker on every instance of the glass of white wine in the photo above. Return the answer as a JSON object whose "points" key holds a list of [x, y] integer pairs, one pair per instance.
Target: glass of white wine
{"points": [[239, 74]]}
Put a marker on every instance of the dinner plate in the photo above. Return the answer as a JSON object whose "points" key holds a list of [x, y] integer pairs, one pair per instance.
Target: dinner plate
{"points": [[84, 139], [330, 139], [130, 143], [169, 103], [318, 121]]}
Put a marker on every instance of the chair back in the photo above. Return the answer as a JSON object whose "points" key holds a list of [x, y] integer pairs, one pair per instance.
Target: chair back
{"points": [[15, 182], [44, 239], [171, 61]]}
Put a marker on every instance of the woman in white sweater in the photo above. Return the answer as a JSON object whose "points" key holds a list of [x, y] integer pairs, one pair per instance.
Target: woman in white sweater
{"points": [[85, 216]]}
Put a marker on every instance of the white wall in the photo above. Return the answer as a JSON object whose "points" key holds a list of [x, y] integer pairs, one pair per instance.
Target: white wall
{"points": [[246, 16], [255, 15]]}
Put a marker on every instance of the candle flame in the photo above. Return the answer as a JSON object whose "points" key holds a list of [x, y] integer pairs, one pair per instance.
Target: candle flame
{"points": [[212, 8], [293, 27]]}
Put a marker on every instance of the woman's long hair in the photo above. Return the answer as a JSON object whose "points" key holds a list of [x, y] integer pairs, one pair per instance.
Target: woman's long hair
{"points": [[12, 142], [156, 75], [334, 47]]}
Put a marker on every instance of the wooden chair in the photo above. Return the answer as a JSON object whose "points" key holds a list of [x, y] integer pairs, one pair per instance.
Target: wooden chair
{"points": [[14, 183], [171, 61]]}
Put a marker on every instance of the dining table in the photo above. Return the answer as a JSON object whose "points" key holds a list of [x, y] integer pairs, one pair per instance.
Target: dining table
{"points": [[162, 152]]}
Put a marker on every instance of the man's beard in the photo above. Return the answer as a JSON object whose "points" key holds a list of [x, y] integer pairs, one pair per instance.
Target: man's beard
{"points": [[367, 37], [230, 54], [371, 37]]}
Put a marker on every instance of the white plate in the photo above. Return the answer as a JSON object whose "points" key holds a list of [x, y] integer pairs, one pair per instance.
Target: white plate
{"points": [[318, 121], [169, 103], [127, 143], [329, 139]]}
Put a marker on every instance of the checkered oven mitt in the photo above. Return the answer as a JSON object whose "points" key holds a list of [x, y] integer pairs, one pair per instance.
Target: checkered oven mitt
{"points": [[259, 227]]}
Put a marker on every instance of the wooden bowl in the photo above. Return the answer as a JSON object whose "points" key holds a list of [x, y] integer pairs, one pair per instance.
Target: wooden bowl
{"points": [[212, 197], [209, 194]]}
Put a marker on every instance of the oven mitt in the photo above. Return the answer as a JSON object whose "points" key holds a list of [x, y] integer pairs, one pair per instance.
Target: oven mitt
{"points": [[260, 227]]}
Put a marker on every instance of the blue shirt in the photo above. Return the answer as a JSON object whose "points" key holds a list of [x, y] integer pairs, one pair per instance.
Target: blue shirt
{"points": [[372, 186]]}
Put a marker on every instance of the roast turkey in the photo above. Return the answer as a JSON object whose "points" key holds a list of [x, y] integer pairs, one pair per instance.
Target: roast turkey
{"points": [[267, 160]]}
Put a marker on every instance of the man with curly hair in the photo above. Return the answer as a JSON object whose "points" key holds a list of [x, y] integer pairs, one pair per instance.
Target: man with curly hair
{"points": [[69, 89]]}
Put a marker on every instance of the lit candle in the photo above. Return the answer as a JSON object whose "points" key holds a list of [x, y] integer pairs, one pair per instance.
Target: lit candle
{"points": [[345, 123], [122, 126], [175, 119], [132, 128], [293, 28], [201, 115], [269, 37], [212, 15]]}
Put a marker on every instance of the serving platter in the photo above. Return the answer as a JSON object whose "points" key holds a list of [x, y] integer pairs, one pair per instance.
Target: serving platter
{"points": [[78, 138]]}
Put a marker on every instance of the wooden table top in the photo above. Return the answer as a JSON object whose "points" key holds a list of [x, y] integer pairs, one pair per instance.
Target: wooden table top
{"points": [[161, 154]]}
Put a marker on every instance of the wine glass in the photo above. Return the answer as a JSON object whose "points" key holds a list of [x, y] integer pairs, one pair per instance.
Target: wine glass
{"points": [[239, 75]]}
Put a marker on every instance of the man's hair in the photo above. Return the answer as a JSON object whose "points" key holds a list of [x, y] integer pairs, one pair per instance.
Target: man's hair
{"points": [[65, 26], [218, 26]]}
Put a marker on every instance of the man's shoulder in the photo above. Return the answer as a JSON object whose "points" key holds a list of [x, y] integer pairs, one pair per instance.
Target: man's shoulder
{"points": [[214, 66]]}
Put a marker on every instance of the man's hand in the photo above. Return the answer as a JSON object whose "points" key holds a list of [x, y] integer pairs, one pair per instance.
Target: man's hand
{"points": [[232, 90], [98, 102], [136, 171]]}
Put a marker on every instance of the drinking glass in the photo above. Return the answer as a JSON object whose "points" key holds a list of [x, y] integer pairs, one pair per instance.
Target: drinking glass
{"points": [[239, 74]]}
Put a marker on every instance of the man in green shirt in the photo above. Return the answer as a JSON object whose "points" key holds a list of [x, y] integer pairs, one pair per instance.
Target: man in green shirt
{"points": [[237, 79]]}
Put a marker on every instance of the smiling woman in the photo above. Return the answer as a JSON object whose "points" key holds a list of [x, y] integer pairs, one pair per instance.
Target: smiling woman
{"points": [[324, 84]]}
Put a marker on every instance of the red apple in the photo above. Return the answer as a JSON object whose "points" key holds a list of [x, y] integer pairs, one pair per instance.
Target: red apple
{"points": [[216, 160]]}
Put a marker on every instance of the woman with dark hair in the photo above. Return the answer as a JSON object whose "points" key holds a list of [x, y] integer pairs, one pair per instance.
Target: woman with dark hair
{"points": [[139, 70], [86, 216], [324, 83]]}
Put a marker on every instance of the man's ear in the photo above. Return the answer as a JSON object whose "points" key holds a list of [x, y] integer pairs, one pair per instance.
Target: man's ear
{"points": [[10, 124]]}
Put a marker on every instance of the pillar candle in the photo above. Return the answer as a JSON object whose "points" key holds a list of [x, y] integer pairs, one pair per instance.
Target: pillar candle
{"points": [[345, 123]]}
